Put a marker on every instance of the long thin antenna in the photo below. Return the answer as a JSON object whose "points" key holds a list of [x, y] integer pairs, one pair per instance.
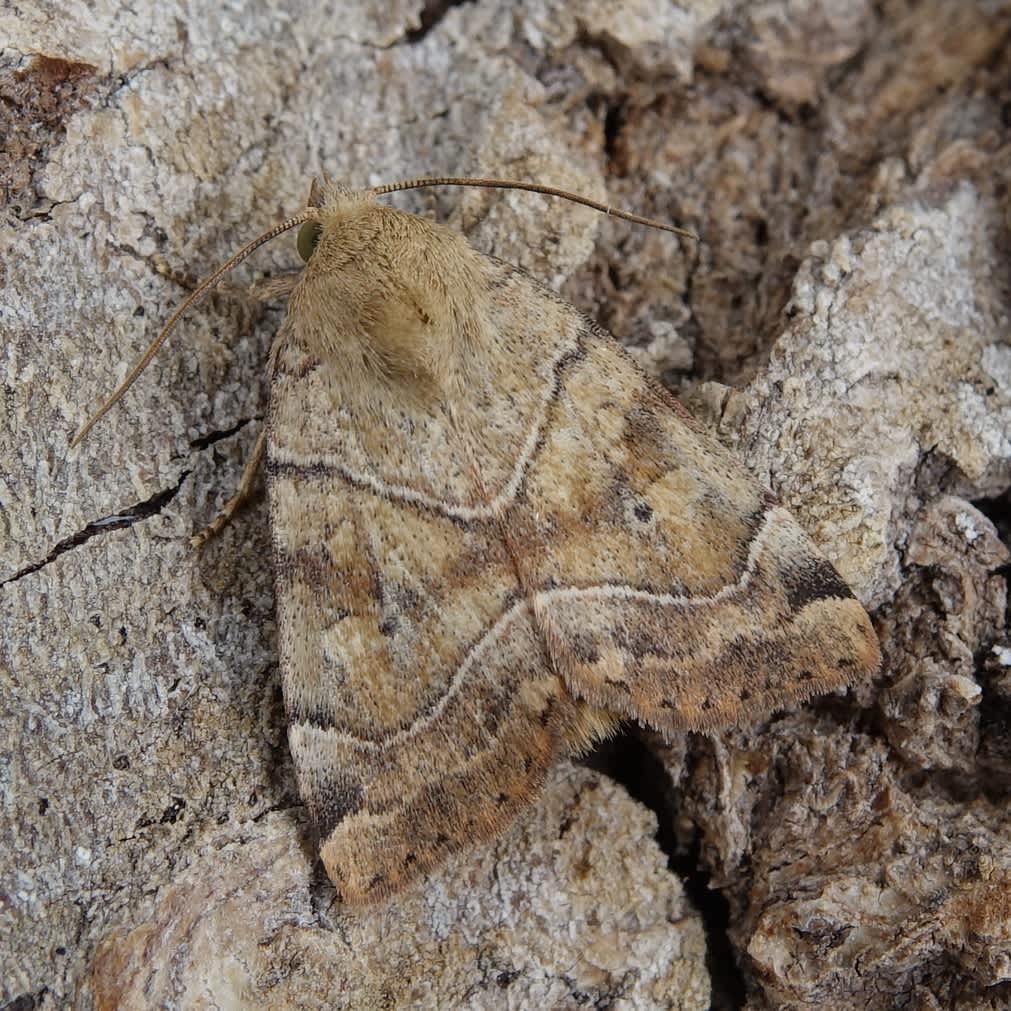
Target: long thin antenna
{"points": [[153, 347], [515, 184]]}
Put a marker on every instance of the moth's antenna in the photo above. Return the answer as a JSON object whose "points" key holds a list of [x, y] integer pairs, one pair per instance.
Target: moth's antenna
{"points": [[408, 184], [153, 347], [515, 184]]}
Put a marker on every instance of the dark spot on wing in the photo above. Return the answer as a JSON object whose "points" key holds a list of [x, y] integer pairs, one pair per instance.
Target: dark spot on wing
{"points": [[643, 512]]}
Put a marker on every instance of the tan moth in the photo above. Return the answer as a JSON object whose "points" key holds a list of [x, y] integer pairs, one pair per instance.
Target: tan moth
{"points": [[495, 538]]}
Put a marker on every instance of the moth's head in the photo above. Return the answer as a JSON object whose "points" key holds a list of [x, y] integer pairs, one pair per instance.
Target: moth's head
{"points": [[330, 204], [397, 295], [384, 289]]}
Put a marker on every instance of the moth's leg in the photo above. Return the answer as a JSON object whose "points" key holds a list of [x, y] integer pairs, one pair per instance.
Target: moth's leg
{"points": [[180, 277], [270, 289], [264, 289], [241, 495]]}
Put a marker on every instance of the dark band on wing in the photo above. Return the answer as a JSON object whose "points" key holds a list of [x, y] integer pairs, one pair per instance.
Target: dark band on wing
{"points": [[807, 578]]}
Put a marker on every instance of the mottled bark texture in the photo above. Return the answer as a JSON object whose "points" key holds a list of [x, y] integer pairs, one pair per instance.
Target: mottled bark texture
{"points": [[847, 166]]}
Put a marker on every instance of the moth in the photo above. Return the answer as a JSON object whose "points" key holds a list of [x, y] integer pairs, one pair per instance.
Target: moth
{"points": [[494, 539]]}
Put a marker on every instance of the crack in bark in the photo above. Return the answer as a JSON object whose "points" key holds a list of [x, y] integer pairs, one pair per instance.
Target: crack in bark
{"points": [[132, 514], [115, 521], [203, 441]]}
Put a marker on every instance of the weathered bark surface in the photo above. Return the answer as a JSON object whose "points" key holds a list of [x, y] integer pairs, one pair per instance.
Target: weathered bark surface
{"points": [[847, 166]]}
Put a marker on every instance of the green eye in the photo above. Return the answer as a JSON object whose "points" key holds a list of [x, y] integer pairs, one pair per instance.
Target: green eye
{"points": [[308, 239]]}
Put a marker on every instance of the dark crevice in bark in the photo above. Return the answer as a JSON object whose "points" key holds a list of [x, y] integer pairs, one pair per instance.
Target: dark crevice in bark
{"points": [[614, 123], [998, 511], [628, 760], [431, 14], [115, 521], [218, 436], [26, 1002]]}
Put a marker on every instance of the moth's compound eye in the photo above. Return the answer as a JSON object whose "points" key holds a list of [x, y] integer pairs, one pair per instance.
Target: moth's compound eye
{"points": [[308, 239]]}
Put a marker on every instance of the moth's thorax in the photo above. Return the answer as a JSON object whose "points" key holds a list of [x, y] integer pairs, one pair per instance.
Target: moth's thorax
{"points": [[385, 432], [388, 297]]}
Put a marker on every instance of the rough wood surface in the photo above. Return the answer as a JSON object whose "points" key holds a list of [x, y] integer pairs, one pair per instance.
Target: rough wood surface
{"points": [[847, 166]]}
